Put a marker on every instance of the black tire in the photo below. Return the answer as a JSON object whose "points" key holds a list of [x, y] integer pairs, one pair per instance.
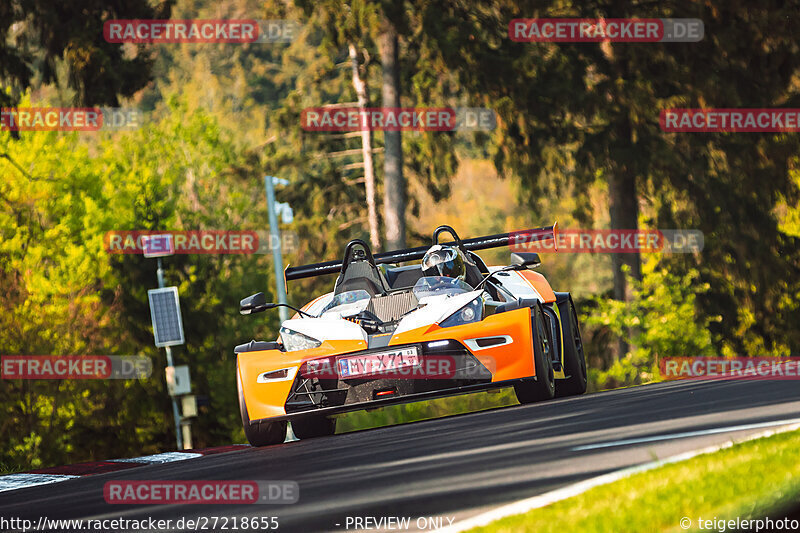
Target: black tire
{"points": [[313, 426], [574, 358], [544, 386], [262, 434]]}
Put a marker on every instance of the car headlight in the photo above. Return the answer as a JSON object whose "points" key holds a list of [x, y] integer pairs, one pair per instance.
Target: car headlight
{"points": [[472, 312], [293, 341]]}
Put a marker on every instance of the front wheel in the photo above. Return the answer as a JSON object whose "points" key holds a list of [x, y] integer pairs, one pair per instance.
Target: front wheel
{"points": [[262, 434], [544, 386], [313, 426], [574, 359]]}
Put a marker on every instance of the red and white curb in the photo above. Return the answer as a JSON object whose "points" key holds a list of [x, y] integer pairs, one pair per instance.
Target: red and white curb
{"points": [[56, 474], [161, 458], [19, 481]]}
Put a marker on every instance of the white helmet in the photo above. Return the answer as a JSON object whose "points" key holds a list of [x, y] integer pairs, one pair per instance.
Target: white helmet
{"points": [[445, 261]]}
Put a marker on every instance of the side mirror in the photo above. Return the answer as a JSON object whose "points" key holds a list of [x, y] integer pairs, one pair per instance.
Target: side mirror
{"points": [[254, 304], [525, 260]]}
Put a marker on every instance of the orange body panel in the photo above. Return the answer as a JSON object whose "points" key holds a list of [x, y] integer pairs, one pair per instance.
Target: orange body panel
{"points": [[509, 361], [539, 283], [266, 400]]}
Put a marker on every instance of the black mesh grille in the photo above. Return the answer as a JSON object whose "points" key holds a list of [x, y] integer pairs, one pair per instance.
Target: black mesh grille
{"points": [[392, 306]]}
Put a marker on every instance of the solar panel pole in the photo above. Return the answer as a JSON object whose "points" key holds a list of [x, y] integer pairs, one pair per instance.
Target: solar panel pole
{"points": [[275, 243], [176, 415]]}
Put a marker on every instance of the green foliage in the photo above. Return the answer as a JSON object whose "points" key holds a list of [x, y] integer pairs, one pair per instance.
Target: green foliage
{"points": [[65, 295], [59, 298], [661, 320]]}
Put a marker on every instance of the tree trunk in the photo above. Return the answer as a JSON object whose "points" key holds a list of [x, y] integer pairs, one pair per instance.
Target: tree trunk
{"points": [[394, 186], [366, 150], [624, 211]]}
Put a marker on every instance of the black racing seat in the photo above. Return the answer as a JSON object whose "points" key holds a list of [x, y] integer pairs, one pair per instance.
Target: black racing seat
{"points": [[403, 277], [361, 275], [474, 273], [359, 271]]}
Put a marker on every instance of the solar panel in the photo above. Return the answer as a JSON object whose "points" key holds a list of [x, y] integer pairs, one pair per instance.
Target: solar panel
{"points": [[165, 312]]}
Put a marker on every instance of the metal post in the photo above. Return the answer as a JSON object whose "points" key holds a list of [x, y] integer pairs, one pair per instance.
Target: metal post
{"points": [[176, 415], [275, 244]]}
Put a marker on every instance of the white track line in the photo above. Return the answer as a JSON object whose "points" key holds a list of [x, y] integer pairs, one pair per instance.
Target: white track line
{"points": [[20, 481], [670, 436], [548, 498]]}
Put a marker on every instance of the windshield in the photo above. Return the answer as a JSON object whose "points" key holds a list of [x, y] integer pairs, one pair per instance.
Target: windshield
{"points": [[439, 285], [347, 303]]}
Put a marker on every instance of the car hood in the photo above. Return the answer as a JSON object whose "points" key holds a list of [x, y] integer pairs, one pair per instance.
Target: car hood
{"points": [[434, 309], [431, 310]]}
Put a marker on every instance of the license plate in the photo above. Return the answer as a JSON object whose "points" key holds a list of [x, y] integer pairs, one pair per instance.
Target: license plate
{"points": [[377, 363]]}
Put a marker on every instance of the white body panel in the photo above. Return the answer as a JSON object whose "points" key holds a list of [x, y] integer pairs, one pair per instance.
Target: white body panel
{"points": [[326, 329], [516, 284], [436, 309]]}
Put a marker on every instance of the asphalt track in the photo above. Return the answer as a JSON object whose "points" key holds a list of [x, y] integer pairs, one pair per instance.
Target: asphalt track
{"points": [[450, 468]]}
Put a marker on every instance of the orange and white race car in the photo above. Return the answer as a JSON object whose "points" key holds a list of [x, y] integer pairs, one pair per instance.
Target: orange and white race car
{"points": [[391, 333]]}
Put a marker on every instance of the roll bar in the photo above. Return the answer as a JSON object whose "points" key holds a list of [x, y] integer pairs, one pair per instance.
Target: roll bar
{"points": [[510, 239]]}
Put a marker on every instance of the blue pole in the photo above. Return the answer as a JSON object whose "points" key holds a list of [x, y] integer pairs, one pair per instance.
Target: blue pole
{"points": [[275, 244]]}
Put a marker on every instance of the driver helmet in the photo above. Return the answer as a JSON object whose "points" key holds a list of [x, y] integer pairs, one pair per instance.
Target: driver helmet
{"points": [[447, 261]]}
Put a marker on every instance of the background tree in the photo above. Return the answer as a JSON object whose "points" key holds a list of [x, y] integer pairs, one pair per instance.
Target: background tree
{"points": [[590, 111], [37, 38], [394, 184]]}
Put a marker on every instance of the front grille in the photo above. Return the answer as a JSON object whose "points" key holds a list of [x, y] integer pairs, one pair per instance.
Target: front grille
{"points": [[313, 391]]}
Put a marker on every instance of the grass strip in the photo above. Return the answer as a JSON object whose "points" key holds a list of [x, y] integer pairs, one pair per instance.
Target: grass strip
{"points": [[748, 480]]}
